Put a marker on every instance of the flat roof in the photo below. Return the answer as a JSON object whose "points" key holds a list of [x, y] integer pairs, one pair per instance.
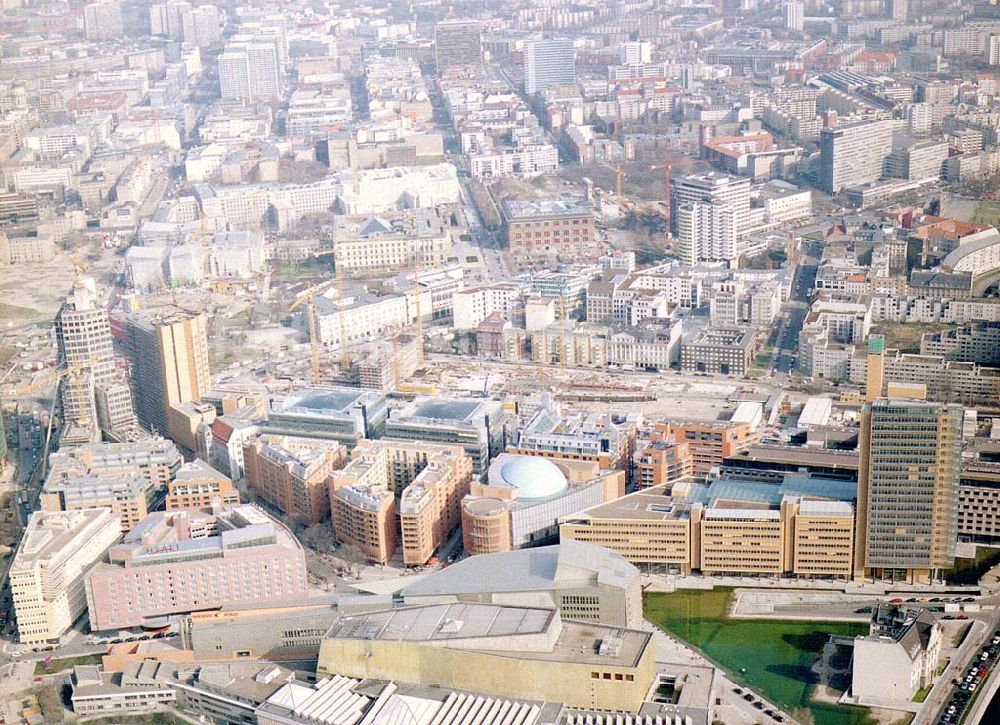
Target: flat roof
{"points": [[322, 400], [443, 409]]}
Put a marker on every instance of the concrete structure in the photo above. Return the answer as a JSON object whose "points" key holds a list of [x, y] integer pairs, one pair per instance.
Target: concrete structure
{"points": [[898, 657], [458, 44], [98, 693], [47, 571], [582, 580], [426, 481], [475, 424], [548, 63], [169, 358], [291, 473], [197, 485], [183, 561], [524, 496], [908, 489], [505, 651], [853, 153]]}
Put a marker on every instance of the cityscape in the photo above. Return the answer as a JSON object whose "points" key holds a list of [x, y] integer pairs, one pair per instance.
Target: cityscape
{"points": [[566, 362]]}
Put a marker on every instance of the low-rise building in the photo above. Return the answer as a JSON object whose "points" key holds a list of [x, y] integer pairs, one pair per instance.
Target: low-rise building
{"points": [[528, 652], [347, 415], [898, 657], [197, 485]]}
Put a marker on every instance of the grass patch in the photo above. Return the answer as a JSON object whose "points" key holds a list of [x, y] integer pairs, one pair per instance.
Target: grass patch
{"points": [[922, 693], [772, 656], [66, 663], [987, 212], [970, 571]]}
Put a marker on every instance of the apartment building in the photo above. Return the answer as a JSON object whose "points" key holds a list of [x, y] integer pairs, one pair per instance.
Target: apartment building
{"points": [[979, 503], [458, 44], [854, 153], [976, 342], [552, 223], [128, 478], [183, 561], [198, 486], [718, 191], [710, 443], [378, 247], [364, 519], [47, 571], [908, 489], [578, 436], [660, 462], [426, 480], [291, 473], [548, 63], [472, 306]]}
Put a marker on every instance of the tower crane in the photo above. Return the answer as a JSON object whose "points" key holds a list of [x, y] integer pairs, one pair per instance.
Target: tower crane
{"points": [[306, 298]]}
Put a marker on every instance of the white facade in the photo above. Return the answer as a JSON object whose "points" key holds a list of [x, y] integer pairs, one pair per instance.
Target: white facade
{"points": [[472, 306]]}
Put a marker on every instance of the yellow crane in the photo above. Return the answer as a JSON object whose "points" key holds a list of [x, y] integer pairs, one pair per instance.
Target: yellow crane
{"points": [[306, 297]]}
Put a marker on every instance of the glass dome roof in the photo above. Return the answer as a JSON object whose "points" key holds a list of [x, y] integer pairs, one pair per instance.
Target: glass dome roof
{"points": [[533, 477]]}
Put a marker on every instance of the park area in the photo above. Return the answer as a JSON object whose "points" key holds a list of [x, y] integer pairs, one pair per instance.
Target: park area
{"points": [[774, 657], [987, 212]]}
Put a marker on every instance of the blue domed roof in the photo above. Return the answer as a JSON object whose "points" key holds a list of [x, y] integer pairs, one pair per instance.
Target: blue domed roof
{"points": [[533, 477]]}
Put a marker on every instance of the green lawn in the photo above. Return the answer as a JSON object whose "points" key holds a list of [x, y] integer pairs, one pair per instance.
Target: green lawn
{"points": [[66, 663], [774, 657], [988, 212]]}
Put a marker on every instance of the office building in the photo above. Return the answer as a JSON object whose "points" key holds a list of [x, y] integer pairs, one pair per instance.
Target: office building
{"points": [[47, 571], [523, 497], [184, 561], [854, 153], [475, 424], [979, 503], [724, 351], [291, 473], [663, 461], [169, 359], [199, 486], [83, 336], [582, 580], [347, 415], [526, 652], [103, 20], [908, 489], [801, 527], [551, 224], [548, 63], [427, 482], [250, 71], [458, 44], [579, 436], [709, 442], [128, 478]]}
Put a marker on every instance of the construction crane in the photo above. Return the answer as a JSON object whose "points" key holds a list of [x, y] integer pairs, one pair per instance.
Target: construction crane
{"points": [[306, 297], [666, 189], [415, 291]]}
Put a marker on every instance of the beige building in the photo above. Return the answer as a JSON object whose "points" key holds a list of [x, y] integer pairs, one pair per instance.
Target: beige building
{"points": [[198, 485], [47, 573], [426, 482], [802, 527], [525, 652], [169, 358], [291, 473]]}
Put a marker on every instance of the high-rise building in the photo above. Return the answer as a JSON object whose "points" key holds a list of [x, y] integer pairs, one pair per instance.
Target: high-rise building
{"points": [[169, 358], [549, 63], [47, 573], [94, 395], [718, 190], [250, 71], [458, 44], [706, 232], [910, 465], [636, 52], [103, 20], [899, 9], [795, 16], [854, 153]]}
